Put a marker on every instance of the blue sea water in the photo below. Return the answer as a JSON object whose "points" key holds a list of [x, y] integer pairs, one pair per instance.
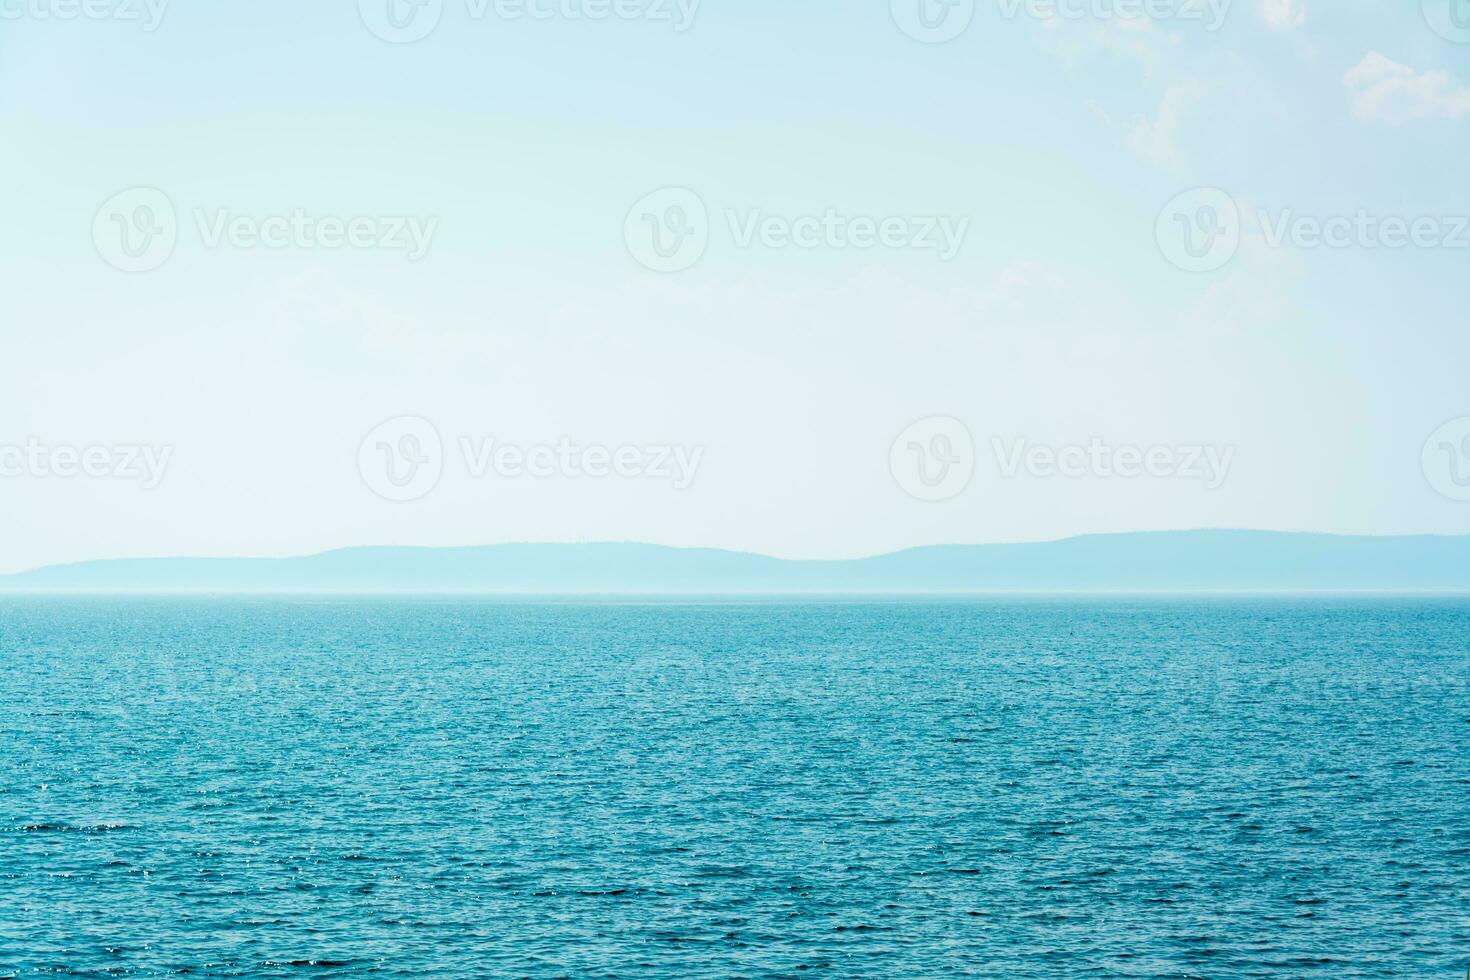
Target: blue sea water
{"points": [[1014, 789]]}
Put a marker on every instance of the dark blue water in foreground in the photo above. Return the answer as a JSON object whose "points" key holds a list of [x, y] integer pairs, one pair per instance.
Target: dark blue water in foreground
{"points": [[1129, 788]]}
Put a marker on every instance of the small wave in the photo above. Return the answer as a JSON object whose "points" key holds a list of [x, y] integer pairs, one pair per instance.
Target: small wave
{"points": [[70, 828], [724, 871]]}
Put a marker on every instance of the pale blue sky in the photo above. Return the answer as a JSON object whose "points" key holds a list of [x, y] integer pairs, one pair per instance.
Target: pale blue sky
{"points": [[1059, 321]]}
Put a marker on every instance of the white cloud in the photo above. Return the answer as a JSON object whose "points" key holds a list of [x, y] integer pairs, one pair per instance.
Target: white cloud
{"points": [[1255, 293], [1284, 14], [1383, 91], [1138, 40], [1024, 291], [1157, 140]]}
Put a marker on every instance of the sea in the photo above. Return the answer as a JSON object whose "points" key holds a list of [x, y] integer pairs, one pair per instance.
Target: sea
{"points": [[1189, 787]]}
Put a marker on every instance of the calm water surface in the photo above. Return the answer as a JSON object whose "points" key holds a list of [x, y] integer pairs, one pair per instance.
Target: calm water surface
{"points": [[1010, 789]]}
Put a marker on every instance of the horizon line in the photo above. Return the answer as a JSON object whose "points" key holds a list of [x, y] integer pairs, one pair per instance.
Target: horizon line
{"points": [[889, 594], [726, 550]]}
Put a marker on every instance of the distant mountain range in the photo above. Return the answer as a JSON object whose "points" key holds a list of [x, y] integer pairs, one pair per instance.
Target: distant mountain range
{"points": [[1182, 561]]}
